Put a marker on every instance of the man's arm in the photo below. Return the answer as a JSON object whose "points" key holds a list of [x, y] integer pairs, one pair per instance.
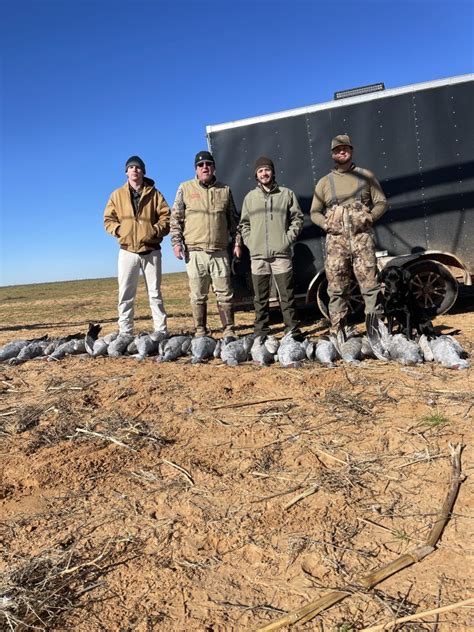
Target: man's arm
{"points": [[296, 218], [177, 224], [111, 220], [244, 225], [233, 218], [162, 226], [318, 206], [379, 200]]}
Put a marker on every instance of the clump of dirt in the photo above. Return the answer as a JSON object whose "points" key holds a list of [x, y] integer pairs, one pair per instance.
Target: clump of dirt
{"points": [[144, 496]]}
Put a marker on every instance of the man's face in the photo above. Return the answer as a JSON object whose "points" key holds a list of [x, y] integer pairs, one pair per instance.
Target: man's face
{"points": [[205, 171], [135, 175], [342, 154], [264, 176]]}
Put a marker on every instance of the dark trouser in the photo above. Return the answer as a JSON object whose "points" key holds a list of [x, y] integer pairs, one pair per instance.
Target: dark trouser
{"points": [[261, 287]]}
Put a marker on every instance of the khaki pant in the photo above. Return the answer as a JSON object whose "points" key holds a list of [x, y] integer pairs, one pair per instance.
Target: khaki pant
{"points": [[204, 268]]}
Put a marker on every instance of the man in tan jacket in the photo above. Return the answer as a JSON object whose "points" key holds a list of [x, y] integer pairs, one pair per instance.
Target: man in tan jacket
{"points": [[138, 216], [346, 203], [203, 221]]}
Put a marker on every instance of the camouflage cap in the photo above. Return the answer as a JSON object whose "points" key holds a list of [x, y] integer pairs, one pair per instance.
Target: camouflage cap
{"points": [[341, 139]]}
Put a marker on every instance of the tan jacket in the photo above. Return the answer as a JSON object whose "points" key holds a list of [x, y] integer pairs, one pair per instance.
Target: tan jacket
{"points": [[203, 217], [355, 185], [143, 231]]}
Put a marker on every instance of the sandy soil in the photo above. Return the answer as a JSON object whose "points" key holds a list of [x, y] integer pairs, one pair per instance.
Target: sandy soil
{"points": [[139, 496]]}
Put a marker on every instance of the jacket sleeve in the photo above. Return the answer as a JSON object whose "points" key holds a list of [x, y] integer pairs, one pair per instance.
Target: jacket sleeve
{"points": [[244, 225], [318, 205], [379, 200], [162, 226], [111, 220], [177, 219], [296, 218], [233, 221]]}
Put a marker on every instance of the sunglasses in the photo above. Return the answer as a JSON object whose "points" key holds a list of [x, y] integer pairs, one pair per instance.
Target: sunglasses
{"points": [[205, 163]]}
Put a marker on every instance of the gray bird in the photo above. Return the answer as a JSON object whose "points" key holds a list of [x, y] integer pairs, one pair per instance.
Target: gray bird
{"points": [[264, 350], [12, 349], [397, 347], [291, 352], [236, 351], [32, 350], [91, 336], [366, 349], [326, 352], [173, 348], [448, 352], [71, 347], [425, 347], [145, 346], [202, 348], [311, 350], [118, 346], [349, 349]]}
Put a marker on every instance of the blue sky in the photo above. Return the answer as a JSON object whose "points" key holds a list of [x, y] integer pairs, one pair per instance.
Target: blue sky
{"points": [[86, 84]]}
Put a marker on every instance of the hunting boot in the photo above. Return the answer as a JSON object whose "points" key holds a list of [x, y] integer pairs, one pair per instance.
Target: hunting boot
{"points": [[261, 302], [284, 283], [200, 318], [226, 314]]}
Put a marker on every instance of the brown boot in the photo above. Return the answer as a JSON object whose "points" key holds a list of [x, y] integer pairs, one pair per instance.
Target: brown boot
{"points": [[226, 314], [200, 319]]}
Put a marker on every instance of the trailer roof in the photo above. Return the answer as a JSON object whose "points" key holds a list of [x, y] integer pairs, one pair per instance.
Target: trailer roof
{"points": [[383, 94]]}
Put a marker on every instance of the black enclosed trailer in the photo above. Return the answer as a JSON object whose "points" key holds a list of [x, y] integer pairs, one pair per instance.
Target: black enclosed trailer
{"points": [[418, 140]]}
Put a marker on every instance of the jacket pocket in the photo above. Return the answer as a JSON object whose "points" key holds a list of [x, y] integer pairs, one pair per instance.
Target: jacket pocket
{"points": [[125, 233]]}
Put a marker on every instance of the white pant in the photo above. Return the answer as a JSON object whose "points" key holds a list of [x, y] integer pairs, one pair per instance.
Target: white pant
{"points": [[129, 266]]}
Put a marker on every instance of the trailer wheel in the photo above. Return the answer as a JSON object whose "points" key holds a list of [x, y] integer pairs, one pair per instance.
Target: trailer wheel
{"points": [[353, 297], [433, 286]]}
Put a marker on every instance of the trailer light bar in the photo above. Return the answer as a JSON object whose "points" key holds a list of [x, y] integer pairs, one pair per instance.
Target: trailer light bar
{"points": [[355, 92]]}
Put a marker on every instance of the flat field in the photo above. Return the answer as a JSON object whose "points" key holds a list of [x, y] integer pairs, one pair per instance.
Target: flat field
{"points": [[143, 496]]}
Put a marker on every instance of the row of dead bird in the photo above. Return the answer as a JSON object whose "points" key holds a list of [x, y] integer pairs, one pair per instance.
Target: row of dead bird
{"points": [[290, 351]]}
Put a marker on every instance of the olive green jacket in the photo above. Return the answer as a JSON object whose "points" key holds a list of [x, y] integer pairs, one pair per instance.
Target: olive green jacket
{"points": [[270, 221]]}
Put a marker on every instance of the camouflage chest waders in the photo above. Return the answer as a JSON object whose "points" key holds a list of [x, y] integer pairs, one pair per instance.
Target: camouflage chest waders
{"points": [[349, 247]]}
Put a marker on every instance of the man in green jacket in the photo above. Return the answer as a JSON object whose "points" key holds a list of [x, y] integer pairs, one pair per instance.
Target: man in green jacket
{"points": [[270, 223], [139, 217], [203, 221], [345, 205]]}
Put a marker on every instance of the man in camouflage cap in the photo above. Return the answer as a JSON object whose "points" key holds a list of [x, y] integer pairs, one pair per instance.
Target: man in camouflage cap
{"points": [[345, 205]]}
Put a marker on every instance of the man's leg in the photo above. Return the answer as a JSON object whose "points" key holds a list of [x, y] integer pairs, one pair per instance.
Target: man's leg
{"points": [[220, 274], [365, 271], [128, 273], [282, 270], [199, 280], [261, 281], [151, 266], [338, 274]]}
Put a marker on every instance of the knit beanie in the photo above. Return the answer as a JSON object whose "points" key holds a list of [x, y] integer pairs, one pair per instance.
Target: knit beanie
{"points": [[137, 161], [263, 161]]}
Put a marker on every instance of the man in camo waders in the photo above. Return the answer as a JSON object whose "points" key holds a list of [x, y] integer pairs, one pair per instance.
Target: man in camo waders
{"points": [[346, 203]]}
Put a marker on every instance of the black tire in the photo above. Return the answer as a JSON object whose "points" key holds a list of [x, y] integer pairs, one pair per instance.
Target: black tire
{"points": [[433, 286], [353, 297]]}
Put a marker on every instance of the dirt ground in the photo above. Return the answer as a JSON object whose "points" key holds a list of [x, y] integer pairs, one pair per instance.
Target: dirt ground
{"points": [[143, 496]]}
